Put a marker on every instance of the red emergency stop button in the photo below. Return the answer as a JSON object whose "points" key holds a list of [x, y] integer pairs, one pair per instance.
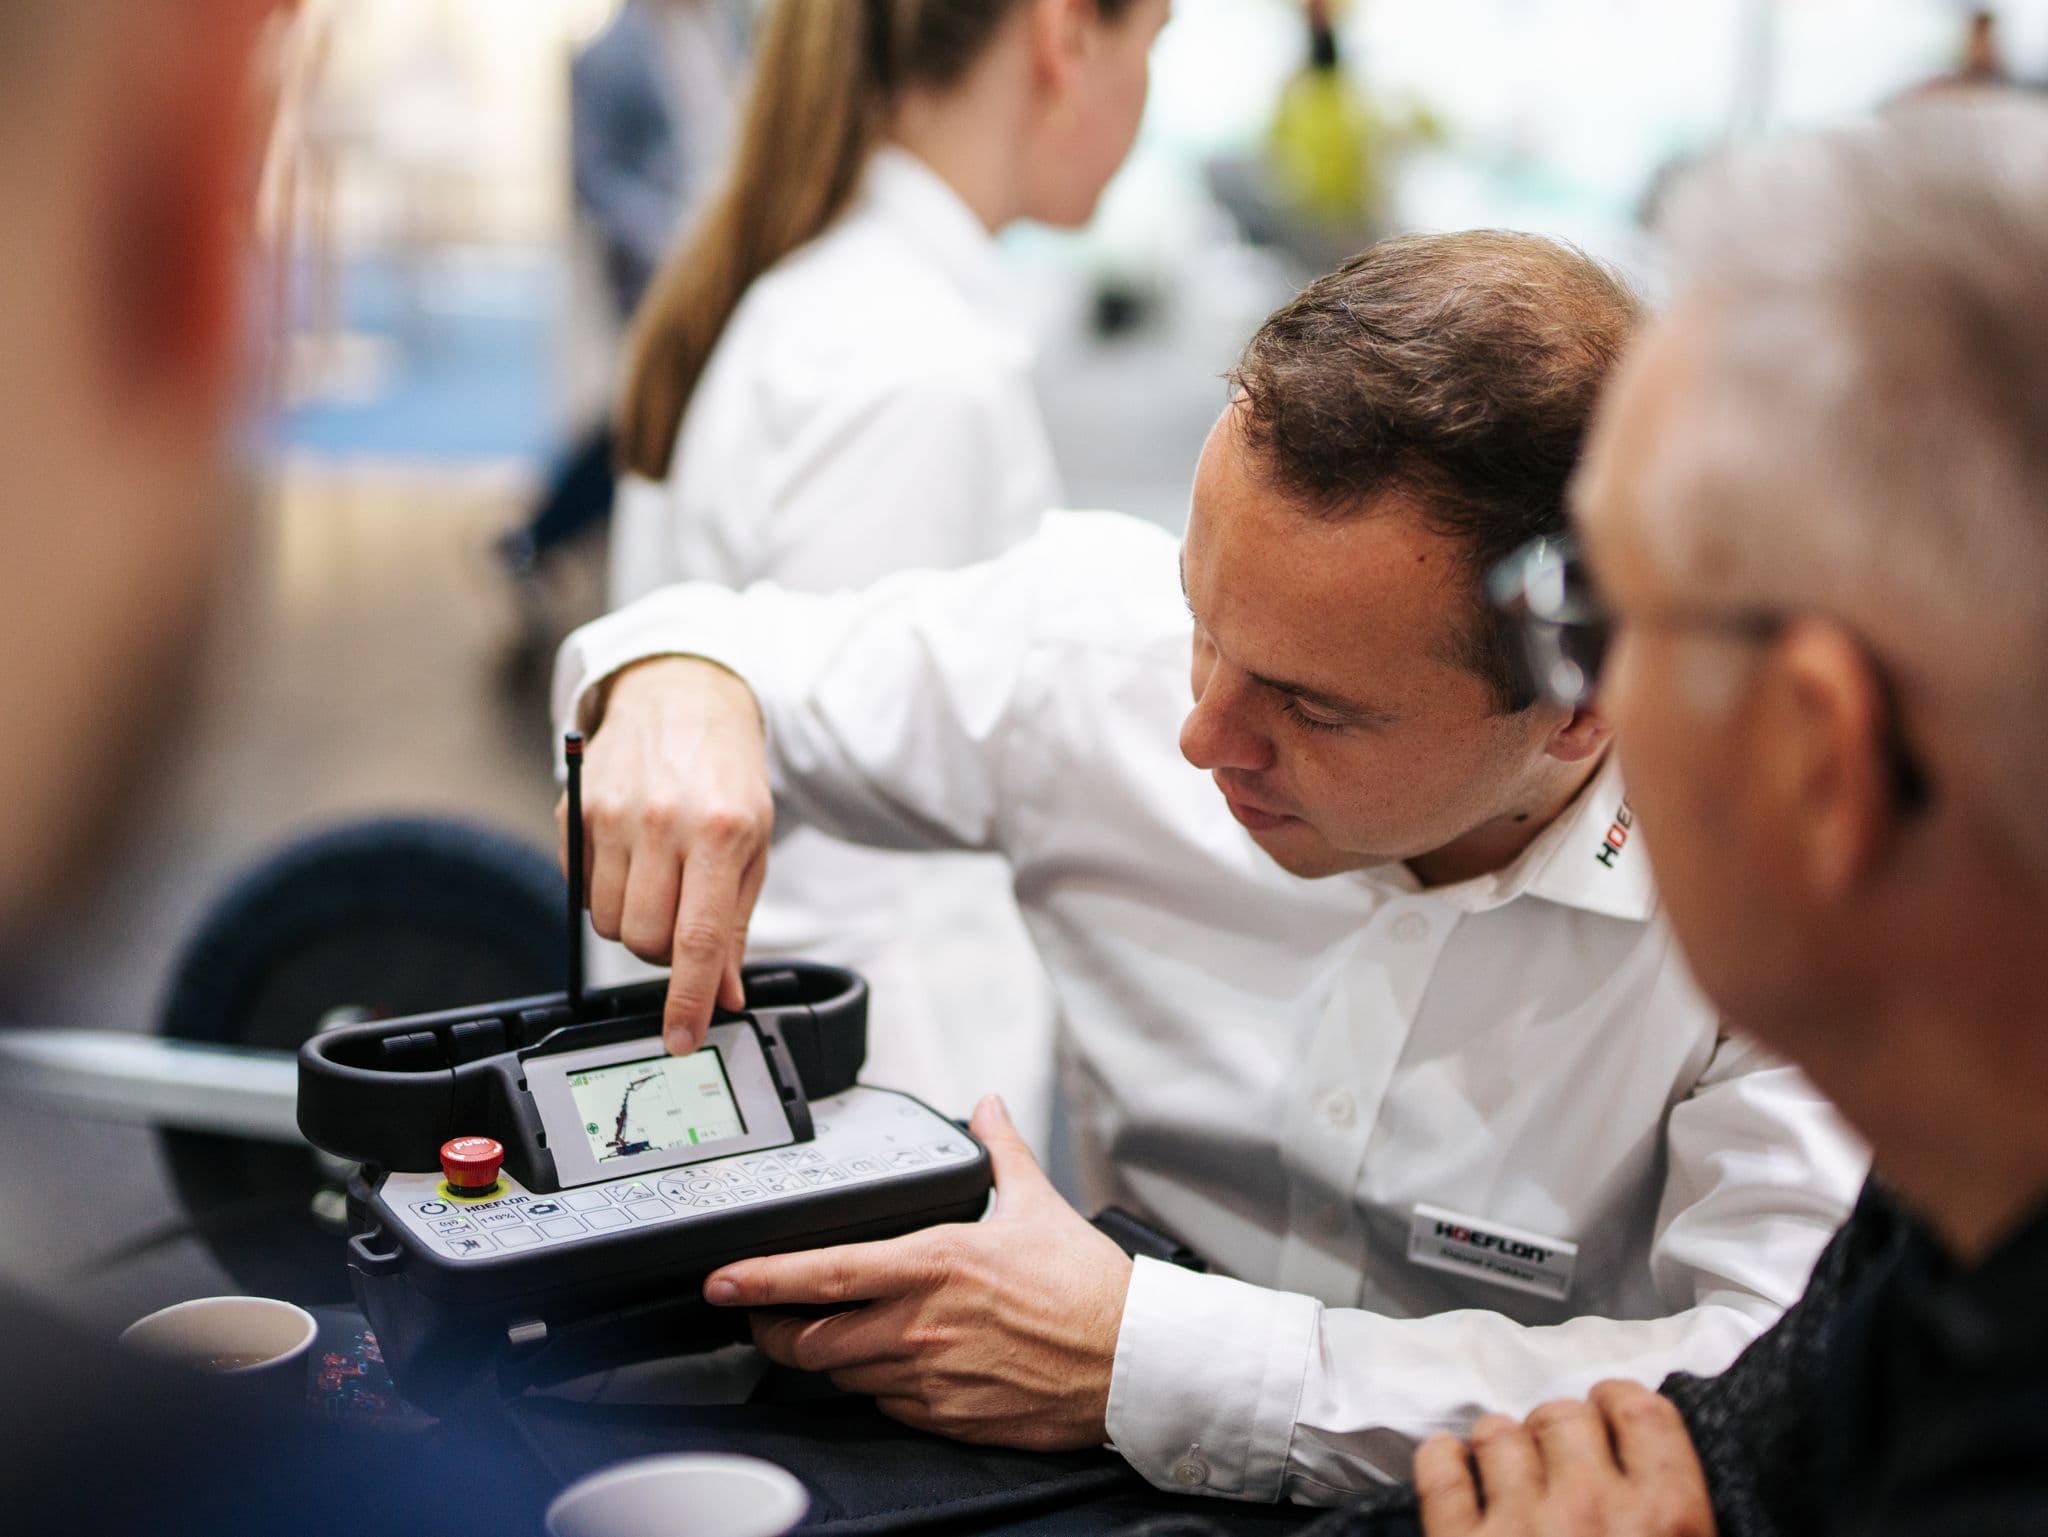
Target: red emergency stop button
{"points": [[471, 1164]]}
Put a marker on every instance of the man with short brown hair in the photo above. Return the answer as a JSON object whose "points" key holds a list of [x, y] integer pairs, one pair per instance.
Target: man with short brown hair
{"points": [[1363, 992]]}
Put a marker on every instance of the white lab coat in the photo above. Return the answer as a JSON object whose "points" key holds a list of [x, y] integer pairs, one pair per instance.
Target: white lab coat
{"points": [[1278, 1070], [869, 408]]}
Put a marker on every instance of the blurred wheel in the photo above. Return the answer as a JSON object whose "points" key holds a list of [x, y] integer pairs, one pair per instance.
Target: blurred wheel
{"points": [[370, 920]]}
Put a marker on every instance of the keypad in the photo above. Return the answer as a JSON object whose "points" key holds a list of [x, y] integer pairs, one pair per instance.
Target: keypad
{"points": [[876, 1140]]}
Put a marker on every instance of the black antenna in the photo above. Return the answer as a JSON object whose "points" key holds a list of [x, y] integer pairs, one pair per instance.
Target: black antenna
{"points": [[572, 756]]}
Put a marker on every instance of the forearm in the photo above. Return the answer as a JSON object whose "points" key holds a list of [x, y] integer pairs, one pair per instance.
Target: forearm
{"points": [[864, 736]]}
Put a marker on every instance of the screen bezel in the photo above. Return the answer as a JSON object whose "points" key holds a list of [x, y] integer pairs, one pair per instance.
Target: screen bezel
{"points": [[746, 1073]]}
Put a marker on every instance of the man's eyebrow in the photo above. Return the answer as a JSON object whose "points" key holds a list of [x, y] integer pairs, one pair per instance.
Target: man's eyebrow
{"points": [[1336, 704]]}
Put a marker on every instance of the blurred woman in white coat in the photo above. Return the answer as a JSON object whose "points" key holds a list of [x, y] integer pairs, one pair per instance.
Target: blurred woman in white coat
{"points": [[830, 382]]}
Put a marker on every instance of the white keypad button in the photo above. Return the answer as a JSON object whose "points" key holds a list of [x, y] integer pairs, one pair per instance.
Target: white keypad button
{"points": [[504, 1218], [649, 1210], [517, 1238], [610, 1217], [585, 1200], [626, 1194], [431, 1208], [563, 1227], [453, 1225]]}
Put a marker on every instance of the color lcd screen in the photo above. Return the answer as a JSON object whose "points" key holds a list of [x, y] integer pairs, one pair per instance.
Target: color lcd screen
{"points": [[655, 1105]]}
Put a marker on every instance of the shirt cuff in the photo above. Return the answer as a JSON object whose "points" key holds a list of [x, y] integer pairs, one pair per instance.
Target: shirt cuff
{"points": [[674, 622], [1208, 1379]]}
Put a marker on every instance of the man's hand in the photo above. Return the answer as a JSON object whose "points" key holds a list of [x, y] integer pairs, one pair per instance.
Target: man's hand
{"points": [[1001, 1332], [678, 814], [1616, 1465]]}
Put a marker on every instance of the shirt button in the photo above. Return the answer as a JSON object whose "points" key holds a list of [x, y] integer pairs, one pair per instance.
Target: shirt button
{"points": [[1191, 1474], [1339, 1108], [1410, 927]]}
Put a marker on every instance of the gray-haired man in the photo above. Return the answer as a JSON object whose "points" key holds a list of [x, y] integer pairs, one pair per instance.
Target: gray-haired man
{"points": [[1817, 507]]}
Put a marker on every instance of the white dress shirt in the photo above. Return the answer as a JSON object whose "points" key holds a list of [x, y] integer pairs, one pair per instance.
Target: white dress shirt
{"points": [[869, 408], [1282, 1071]]}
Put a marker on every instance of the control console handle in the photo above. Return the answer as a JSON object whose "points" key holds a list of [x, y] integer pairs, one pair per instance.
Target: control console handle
{"points": [[389, 1093]]}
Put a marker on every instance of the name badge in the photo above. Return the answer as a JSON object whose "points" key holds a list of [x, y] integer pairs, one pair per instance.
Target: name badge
{"points": [[1487, 1251]]}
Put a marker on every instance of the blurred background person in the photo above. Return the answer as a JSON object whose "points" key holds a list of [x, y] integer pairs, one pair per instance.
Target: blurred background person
{"points": [[1330, 155], [121, 378], [126, 126], [1979, 65], [653, 100], [830, 382]]}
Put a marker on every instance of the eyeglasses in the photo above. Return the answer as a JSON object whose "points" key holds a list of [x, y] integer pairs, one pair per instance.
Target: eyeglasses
{"points": [[1565, 630], [1547, 592]]}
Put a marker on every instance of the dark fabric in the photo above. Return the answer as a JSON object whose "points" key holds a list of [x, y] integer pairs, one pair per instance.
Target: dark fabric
{"points": [[579, 496], [1386, 1512], [1757, 1426], [868, 1474], [1934, 1413]]}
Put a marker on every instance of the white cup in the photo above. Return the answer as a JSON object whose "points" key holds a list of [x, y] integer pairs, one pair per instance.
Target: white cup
{"points": [[684, 1494], [226, 1336]]}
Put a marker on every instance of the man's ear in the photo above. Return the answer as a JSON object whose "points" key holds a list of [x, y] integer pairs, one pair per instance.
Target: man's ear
{"points": [[177, 230], [1824, 720], [1580, 737]]}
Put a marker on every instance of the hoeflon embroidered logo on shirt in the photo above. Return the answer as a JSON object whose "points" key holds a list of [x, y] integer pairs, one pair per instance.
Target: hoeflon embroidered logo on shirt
{"points": [[1617, 835], [1490, 1252]]}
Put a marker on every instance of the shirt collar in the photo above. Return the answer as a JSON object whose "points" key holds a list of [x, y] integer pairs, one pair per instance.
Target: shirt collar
{"points": [[901, 189], [1589, 858]]}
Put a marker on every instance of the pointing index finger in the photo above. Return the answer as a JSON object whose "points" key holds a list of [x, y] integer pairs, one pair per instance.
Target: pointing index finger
{"points": [[704, 926]]}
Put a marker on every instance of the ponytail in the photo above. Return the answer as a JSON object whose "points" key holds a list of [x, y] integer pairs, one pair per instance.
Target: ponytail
{"points": [[813, 116]]}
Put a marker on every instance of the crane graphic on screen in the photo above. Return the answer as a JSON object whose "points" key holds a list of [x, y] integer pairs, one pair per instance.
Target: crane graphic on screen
{"points": [[620, 1144]]}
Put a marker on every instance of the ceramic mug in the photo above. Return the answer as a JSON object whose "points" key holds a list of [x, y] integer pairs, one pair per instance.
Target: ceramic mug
{"points": [[258, 1343], [684, 1494]]}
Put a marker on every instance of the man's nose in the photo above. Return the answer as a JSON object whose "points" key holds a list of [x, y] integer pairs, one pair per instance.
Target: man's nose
{"points": [[1221, 731]]}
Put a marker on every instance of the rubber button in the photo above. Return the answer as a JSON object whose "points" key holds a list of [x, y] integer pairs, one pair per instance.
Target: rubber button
{"points": [[471, 1164]]}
